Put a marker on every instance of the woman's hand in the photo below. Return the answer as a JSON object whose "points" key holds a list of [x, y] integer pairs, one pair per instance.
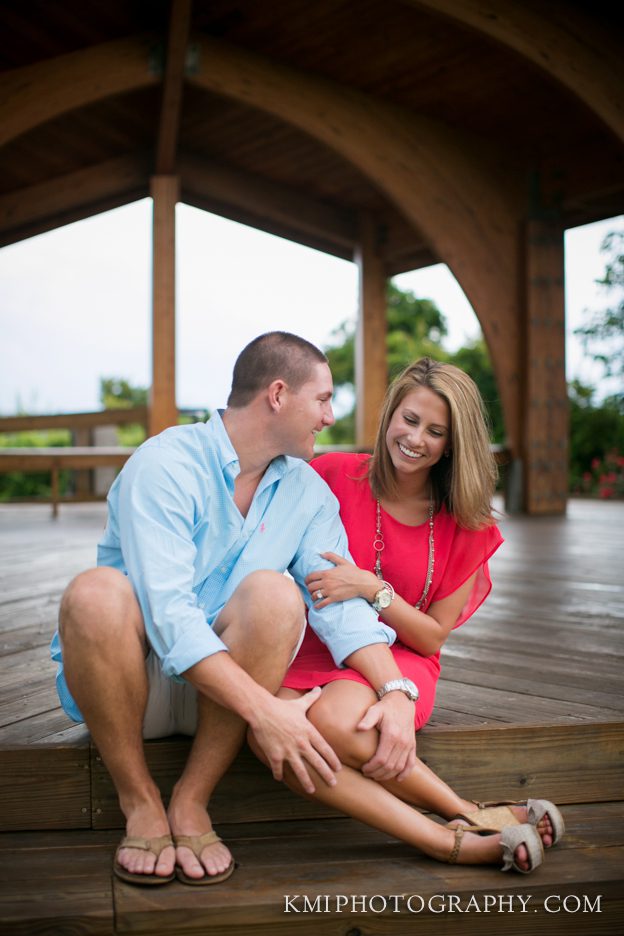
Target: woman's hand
{"points": [[342, 582]]}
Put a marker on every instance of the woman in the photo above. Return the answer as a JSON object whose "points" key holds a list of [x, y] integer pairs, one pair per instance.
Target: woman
{"points": [[419, 521]]}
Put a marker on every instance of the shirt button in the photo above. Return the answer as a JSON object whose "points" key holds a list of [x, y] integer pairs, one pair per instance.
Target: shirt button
{"points": [[224, 569]]}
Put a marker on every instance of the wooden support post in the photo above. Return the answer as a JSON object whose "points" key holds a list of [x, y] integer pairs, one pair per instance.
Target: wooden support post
{"points": [[371, 367], [545, 429], [163, 410]]}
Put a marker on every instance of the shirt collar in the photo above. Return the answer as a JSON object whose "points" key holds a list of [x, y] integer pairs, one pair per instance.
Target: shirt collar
{"points": [[228, 459]]}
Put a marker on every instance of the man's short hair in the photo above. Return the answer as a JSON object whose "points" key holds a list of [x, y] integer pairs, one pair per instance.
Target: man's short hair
{"points": [[274, 355]]}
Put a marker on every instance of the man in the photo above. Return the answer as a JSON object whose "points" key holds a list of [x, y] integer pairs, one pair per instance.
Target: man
{"points": [[188, 624]]}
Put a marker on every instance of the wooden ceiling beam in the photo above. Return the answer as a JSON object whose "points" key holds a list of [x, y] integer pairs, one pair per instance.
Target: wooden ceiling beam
{"points": [[577, 50], [171, 108], [31, 95], [43, 207], [281, 205]]}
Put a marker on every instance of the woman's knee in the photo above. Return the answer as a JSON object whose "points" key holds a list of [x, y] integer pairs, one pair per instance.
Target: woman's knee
{"points": [[94, 602], [337, 714]]}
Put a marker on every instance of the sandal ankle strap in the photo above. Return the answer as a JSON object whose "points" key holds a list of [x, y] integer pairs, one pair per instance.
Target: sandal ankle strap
{"points": [[459, 834]]}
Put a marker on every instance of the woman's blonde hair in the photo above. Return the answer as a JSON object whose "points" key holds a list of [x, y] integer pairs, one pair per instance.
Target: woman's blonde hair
{"points": [[463, 481]]}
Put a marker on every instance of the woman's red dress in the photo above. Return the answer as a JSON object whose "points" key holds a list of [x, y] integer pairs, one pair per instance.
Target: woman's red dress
{"points": [[459, 553]]}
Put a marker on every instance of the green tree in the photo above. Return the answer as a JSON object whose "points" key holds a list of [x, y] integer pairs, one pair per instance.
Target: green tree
{"points": [[118, 393], [603, 335], [474, 359], [416, 328]]}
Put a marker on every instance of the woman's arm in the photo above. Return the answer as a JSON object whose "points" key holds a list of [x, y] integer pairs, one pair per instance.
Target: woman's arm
{"points": [[424, 633]]}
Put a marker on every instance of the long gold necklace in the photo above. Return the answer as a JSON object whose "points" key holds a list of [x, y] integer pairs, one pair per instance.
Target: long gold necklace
{"points": [[378, 546]]}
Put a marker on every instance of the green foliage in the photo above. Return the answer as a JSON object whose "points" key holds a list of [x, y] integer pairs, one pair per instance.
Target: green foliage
{"points": [[596, 433], [117, 393], [416, 328], [474, 359], [603, 335], [35, 484]]}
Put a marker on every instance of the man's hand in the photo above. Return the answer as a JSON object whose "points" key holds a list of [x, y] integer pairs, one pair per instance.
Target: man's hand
{"points": [[286, 735], [395, 756], [341, 583]]}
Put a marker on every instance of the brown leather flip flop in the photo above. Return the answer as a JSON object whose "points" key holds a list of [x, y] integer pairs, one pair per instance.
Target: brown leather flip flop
{"points": [[156, 846], [197, 843]]}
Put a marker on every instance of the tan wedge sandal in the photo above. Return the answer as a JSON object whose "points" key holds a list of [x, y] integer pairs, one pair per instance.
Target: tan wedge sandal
{"points": [[495, 816], [511, 837]]}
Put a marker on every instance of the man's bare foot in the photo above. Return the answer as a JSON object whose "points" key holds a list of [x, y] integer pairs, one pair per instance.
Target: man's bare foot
{"points": [[192, 819], [147, 821]]}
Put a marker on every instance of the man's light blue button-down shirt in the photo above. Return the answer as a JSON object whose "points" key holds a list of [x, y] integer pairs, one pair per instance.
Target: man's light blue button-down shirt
{"points": [[174, 529]]}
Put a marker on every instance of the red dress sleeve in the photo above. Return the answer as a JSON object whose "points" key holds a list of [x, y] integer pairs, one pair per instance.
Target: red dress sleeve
{"points": [[468, 554]]}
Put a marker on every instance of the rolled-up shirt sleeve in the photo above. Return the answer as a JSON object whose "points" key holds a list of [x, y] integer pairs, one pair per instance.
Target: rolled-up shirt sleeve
{"points": [[345, 626], [158, 504]]}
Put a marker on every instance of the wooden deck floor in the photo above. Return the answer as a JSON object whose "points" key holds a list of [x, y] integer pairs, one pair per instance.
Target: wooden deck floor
{"points": [[530, 702], [546, 647]]}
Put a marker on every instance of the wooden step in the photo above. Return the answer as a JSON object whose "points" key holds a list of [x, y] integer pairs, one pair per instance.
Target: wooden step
{"points": [[66, 786], [340, 877]]}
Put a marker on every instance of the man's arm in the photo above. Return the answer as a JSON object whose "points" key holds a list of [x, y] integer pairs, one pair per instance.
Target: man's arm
{"points": [[281, 727], [357, 638]]}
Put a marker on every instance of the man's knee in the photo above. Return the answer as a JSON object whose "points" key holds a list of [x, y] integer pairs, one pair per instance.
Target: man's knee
{"points": [[268, 607], [92, 599], [278, 593]]}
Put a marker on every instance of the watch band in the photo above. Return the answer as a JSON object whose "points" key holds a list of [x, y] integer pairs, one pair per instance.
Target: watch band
{"points": [[400, 685]]}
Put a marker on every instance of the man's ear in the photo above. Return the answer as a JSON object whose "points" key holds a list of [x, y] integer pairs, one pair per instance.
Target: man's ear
{"points": [[276, 392]]}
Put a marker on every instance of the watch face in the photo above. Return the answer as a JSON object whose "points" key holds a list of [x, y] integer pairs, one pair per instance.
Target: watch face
{"points": [[384, 598]]}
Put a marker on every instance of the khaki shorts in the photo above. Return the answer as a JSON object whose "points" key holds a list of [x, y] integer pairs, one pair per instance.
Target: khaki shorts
{"points": [[172, 706]]}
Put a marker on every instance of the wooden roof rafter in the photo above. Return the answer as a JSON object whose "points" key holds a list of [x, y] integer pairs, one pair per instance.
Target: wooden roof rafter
{"points": [[558, 38], [173, 86]]}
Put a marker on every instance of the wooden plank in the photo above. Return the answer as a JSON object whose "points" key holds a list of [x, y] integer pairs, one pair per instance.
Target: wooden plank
{"points": [[46, 459], [322, 859], [117, 417], [254, 898], [371, 364], [45, 788], [165, 191], [558, 762], [56, 886]]}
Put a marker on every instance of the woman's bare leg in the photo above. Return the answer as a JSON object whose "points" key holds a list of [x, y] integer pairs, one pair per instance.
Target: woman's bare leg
{"points": [[336, 714]]}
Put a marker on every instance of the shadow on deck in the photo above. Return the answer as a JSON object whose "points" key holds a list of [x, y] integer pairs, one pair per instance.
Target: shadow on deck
{"points": [[530, 704]]}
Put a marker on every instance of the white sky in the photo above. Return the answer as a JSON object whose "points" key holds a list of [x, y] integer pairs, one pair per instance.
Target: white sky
{"points": [[75, 304]]}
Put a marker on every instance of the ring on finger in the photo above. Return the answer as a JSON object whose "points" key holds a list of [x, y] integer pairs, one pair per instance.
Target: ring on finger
{"points": [[319, 595]]}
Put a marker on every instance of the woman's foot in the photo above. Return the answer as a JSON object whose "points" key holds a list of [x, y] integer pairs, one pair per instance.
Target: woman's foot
{"points": [[467, 847], [470, 811]]}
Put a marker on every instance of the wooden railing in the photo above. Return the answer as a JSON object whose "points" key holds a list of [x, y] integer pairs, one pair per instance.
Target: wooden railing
{"points": [[82, 457], [85, 456]]}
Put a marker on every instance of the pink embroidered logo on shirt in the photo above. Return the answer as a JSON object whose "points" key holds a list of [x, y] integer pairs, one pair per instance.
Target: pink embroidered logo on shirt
{"points": [[262, 527]]}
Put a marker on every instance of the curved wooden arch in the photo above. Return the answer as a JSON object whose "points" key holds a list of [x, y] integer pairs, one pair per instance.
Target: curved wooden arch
{"points": [[31, 95], [556, 37], [437, 178]]}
